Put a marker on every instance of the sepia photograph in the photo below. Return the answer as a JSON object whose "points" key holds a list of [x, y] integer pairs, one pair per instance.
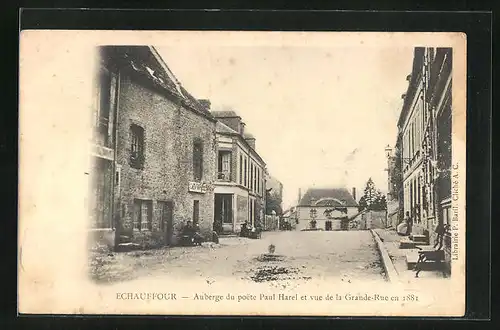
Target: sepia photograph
{"points": [[267, 173]]}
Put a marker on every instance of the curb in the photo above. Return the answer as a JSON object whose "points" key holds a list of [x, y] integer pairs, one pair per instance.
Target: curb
{"points": [[390, 270]]}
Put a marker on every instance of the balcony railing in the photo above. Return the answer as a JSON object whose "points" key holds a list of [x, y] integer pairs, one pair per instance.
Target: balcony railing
{"points": [[224, 176]]}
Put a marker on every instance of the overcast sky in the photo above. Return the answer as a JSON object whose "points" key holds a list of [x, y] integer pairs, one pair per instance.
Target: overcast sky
{"points": [[321, 116]]}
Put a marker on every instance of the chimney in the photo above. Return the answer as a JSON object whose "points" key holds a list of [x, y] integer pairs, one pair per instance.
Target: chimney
{"points": [[205, 103], [242, 128], [354, 193], [300, 196]]}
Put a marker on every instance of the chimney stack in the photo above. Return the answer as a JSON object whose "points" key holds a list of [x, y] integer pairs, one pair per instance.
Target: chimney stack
{"points": [[242, 128], [354, 193], [205, 103], [300, 196]]}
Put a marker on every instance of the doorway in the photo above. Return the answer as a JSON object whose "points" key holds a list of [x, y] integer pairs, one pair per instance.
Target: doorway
{"points": [[223, 215], [328, 225], [167, 215]]}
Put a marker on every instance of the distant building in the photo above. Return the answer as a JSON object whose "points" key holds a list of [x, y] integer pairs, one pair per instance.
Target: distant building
{"points": [[328, 207], [155, 163], [240, 186], [290, 216]]}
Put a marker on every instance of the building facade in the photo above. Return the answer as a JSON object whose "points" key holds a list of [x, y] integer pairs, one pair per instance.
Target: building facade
{"points": [[164, 160], [239, 192], [329, 208], [425, 129], [102, 158]]}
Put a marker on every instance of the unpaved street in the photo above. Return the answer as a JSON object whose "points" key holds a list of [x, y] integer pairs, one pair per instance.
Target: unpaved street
{"points": [[349, 256]]}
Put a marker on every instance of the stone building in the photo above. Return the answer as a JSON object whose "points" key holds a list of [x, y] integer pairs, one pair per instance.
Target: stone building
{"points": [[425, 128], [329, 208], [164, 160], [240, 186]]}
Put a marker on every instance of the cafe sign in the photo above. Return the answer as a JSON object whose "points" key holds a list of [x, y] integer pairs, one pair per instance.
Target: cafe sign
{"points": [[198, 187]]}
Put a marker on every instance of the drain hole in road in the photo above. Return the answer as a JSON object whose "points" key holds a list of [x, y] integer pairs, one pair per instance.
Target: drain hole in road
{"points": [[270, 257]]}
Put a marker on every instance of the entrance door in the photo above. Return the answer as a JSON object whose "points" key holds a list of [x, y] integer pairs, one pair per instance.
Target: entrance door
{"points": [[223, 215], [328, 225], [167, 215]]}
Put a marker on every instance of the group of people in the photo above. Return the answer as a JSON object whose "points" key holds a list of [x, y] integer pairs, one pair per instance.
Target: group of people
{"points": [[247, 230], [191, 234], [405, 229]]}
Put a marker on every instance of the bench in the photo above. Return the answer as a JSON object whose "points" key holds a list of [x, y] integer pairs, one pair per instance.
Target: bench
{"points": [[425, 259]]}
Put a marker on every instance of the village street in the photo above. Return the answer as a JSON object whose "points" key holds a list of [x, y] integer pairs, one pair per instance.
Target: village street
{"points": [[349, 256]]}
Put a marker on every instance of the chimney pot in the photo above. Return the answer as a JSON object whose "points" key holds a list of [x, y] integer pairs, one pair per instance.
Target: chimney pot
{"points": [[354, 193]]}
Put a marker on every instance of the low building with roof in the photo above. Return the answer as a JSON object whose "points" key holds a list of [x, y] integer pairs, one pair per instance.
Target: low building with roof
{"points": [[326, 208]]}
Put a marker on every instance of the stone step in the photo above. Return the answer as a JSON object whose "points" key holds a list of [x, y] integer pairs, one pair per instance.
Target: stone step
{"points": [[228, 235], [125, 247], [406, 243], [125, 239], [418, 238]]}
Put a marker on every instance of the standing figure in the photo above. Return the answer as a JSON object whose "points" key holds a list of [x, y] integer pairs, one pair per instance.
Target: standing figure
{"points": [[440, 230]]}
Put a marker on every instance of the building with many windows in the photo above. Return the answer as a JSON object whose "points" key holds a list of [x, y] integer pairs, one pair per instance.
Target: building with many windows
{"points": [[425, 129], [240, 186], [156, 159], [326, 208]]}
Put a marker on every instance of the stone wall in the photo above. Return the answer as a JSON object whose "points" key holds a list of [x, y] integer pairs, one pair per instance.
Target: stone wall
{"points": [[169, 132]]}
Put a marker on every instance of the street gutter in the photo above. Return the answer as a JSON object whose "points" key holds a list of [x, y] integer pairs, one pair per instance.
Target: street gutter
{"points": [[390, 270]]}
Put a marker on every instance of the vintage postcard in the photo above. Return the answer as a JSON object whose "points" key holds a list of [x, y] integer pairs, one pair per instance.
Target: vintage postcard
{"points": [[242, 173]]}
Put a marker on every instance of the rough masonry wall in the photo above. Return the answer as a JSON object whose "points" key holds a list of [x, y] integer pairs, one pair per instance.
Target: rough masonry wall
{"points": [[168, 166]]}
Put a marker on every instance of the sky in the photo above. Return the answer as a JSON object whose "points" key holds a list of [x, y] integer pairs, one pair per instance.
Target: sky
{"points": [[321, 116]]}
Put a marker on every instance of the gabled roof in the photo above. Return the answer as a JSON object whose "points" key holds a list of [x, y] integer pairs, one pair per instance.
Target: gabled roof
{"points": [[145, 63], [328, 197]]}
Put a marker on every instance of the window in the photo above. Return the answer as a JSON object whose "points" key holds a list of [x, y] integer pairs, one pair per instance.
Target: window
{"points": [[241, 169], [224, 166], [137, 147], [196, 212], [142, 214], [198, 159], [251, 176], [255, 178], [258, 181], [245, 173]]}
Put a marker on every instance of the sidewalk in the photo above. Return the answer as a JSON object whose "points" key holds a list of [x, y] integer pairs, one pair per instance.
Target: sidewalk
{"points": [[390, 241]]}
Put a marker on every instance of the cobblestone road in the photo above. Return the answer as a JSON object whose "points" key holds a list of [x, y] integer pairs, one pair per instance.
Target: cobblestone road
{"points": [[349, 256]]}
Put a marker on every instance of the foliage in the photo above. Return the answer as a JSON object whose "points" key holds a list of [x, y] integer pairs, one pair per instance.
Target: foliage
{"points": [[273, 202], [372, 199]]}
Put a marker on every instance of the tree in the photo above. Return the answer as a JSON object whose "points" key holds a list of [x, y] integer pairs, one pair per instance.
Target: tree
{"points": [[372, 199], [273, 202]]}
